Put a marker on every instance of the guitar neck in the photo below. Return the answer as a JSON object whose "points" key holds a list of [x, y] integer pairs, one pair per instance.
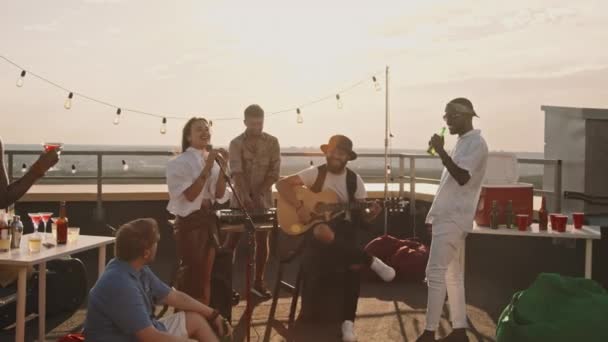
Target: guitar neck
{"points": [[345, 206]]}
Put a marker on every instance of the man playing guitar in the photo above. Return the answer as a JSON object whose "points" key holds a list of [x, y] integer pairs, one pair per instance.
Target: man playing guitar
{"points": [[335, 239]]}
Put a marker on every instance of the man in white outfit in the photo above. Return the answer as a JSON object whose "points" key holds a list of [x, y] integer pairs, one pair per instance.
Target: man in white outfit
{"points": [[451, 217]]}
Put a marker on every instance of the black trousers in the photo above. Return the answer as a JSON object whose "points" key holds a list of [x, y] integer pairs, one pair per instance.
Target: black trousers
{"points": [[338, 257]]}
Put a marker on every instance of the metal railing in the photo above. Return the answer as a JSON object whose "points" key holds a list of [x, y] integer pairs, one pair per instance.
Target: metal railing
{"points": [[400, 177]]}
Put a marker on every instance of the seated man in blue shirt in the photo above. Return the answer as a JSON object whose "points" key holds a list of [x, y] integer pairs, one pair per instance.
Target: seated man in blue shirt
{"points": [[121, 304]]}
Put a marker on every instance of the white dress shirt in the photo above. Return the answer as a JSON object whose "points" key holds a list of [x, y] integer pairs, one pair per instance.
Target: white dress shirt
{"points": [[182, 171], [455, 203]]}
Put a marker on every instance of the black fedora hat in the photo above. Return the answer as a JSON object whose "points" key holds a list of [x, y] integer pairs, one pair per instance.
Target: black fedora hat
{"points": [[340, 142]]}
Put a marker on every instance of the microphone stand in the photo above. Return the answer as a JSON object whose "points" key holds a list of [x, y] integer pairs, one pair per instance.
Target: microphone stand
{"points": [[250, 231]]}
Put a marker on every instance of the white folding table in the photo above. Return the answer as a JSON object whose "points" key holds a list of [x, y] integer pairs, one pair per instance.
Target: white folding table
{"points": [[588, 233]]}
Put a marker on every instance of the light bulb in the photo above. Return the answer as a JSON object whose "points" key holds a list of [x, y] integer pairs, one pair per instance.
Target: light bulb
{"points": [[339, 101], [377, 84], [163, 126], [73, 169], [300, 119], [117, 117], [125, 166], [312, 163], [68, 101], [388, 169], [23, 168], [21, 78], [210, 123]]}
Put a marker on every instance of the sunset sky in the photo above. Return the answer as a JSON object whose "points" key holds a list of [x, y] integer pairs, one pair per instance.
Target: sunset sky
{"points": [[213, 58]]}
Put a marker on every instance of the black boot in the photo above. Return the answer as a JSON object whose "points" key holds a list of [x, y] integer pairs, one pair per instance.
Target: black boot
{"points": [[457, 335], [427, 336]]}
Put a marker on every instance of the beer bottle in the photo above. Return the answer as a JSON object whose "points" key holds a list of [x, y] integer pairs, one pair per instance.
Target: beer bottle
{"points": [[509, 214], [494, 215], [431, 150], [62, 225], [542, 215]]}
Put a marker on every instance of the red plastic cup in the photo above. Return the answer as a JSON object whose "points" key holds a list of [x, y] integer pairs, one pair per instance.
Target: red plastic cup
{"points": [[578, 219], [553, 221], [562, 221], [522, 222]]}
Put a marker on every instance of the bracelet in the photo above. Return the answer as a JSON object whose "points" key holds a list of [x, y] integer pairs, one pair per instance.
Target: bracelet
{"points": [[214, 315]]}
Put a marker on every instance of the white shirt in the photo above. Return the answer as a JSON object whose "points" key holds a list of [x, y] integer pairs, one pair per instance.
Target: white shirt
{"points": [[457, 203], [182, 171], [334, 182]]}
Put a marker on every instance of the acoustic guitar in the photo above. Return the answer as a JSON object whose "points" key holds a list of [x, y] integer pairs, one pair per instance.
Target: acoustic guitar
{"points": [[323, 206]]}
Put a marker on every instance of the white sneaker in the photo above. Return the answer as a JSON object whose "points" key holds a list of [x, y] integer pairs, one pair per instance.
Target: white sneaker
{"points": [[383, 270], [348, 331]]}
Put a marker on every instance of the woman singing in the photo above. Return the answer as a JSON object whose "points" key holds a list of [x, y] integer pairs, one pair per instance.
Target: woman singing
{"points": [[195, 182]]}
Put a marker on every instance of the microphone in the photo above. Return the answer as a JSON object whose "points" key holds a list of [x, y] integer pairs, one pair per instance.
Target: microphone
{"points": [[219, 158]]}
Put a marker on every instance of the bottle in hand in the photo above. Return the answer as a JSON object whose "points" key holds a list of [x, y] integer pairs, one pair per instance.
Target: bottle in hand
{"points": [[62, 225], [431, 150]]}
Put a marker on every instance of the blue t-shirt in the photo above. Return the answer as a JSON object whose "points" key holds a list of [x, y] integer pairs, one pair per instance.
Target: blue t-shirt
{"points": [[122, 303]]}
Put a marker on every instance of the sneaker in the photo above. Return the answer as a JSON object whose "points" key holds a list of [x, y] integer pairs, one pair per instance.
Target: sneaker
{"points": [[457, 335], [427, 336], [383, 270], [348, 331], [261, 291]]}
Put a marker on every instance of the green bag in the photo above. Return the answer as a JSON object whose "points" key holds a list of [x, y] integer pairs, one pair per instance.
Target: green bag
{"points": [[556, 309]]}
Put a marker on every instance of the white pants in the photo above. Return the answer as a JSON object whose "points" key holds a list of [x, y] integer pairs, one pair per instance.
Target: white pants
{"points": [[445, 272]]}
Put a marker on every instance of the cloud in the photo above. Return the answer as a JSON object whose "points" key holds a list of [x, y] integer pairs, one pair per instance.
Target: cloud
{"points": [[113, 31], [102, 1], [50, 27]]}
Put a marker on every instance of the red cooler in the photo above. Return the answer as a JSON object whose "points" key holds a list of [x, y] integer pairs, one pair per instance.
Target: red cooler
{"points": [[520, 193]]}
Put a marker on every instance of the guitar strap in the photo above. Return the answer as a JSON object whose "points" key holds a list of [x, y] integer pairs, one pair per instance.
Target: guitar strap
{"points": [[317, 186], [351, 182]]}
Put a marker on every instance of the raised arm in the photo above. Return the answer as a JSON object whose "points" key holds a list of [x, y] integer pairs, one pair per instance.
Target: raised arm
{"points": [[11, 193]]}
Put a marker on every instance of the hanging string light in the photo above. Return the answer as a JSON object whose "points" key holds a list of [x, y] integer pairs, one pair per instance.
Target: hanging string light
{"points": [[125, 166], [117, 117], [73, 169], [68, 101], [388, 169], [312, 163], [23, 168], [163, 126], [377, 84], [21, 79], [164, 117]]}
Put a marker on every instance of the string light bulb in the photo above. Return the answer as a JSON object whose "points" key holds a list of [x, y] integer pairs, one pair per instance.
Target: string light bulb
{"points": [[68, 101], [73, 169], [300, 119], [163, 126], [23, 168], [21, 79], [125, 166], [210, 123], [388, 169], [339, 101], [376, 83], [117, 117]]}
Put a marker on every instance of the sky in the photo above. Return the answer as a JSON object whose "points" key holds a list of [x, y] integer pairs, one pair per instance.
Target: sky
{"points": [[213, 58]]}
